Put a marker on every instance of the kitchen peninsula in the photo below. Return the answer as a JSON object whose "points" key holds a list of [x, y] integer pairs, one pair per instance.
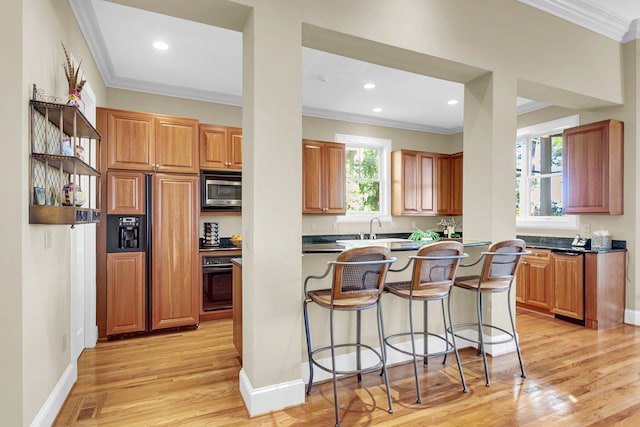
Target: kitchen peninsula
{"points": [[318, 250]]}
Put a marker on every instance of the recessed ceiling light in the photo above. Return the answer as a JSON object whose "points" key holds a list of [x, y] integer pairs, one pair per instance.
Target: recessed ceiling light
{"points": [[160, 45], [369, 86], [377, 109], [452, 102]]}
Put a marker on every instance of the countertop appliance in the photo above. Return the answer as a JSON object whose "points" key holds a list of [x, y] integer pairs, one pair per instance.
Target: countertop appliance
{"points": [[221, 191]]}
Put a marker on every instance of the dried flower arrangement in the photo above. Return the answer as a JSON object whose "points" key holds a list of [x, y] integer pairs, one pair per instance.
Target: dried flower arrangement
{"points": [[76, 83]]}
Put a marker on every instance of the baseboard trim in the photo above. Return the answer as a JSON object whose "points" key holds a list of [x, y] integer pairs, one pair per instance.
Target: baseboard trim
{"points": [[49, 411], [632, 317], [271, 398]]}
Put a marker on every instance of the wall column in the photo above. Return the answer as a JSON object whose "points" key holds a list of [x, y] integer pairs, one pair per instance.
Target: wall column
{"points": [[272, 215], [490, 123], [13, 111]]}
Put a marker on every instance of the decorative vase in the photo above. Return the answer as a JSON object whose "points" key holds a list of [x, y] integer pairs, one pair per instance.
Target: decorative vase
{"points": [[74, 98], [73, 194]]}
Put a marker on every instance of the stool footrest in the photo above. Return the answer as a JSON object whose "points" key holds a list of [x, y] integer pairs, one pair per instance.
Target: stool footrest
{"points": [[362, 370], [448, 344], [484, 325]]}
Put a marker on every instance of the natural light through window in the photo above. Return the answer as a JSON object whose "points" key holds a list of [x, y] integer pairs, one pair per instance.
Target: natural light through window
{"points": [[367, 177], [539, 176]]}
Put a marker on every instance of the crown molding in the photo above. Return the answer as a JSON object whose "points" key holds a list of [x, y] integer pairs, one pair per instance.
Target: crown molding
{"points": [[357, 118], [588, 15]]}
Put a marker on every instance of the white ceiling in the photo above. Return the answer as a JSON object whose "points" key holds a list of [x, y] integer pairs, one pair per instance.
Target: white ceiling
{"points": [[120, 40]]}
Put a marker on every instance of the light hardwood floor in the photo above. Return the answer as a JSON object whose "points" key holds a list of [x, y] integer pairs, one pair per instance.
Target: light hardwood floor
{"points": [[575, 377]]}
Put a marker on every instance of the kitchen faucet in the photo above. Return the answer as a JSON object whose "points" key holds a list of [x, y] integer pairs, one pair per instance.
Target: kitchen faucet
{"points": [[372, 235]]}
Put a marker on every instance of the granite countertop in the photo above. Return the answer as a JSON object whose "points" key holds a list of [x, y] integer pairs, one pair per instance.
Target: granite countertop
{"points": [[563, 244], [237, 261], [327, 244]]}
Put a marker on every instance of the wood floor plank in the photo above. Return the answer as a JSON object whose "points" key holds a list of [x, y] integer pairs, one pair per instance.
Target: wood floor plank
{"points": [[575, 377]]}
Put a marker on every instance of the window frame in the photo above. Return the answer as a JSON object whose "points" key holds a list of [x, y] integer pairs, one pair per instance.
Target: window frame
{"points": [[384, 145], [526, 134]]}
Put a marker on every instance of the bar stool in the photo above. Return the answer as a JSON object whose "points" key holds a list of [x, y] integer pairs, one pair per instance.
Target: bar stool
{"points": [[358, 281], [501, 262], [434, 272]]}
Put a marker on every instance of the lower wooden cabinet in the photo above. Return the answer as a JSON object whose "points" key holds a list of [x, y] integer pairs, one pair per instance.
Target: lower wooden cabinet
{"points": [[568, 285], [237, 308], [126, 292], [534, 281]]}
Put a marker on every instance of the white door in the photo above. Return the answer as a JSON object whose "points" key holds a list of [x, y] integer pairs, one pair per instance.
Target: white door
{"points": [[83, 327]]}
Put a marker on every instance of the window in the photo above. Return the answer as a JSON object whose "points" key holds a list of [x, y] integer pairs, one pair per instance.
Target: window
{"points": [[367, 177], [539, 176]]}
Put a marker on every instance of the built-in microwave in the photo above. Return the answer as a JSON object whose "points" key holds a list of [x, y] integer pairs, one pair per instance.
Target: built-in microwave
{"points": [[221, 191]]}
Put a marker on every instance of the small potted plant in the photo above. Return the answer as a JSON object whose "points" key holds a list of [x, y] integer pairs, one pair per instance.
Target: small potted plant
{"points": [[426, 236]]}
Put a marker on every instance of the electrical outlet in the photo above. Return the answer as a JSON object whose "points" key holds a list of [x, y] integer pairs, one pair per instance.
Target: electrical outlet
{"points": [[47, 239], [413, 224], [585, 229]]}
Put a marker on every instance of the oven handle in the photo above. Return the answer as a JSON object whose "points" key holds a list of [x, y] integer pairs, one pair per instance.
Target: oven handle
{"points": [[216, 268]]}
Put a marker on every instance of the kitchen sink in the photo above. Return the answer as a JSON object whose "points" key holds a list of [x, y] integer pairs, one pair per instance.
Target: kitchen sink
{"points": [[364, 242]]}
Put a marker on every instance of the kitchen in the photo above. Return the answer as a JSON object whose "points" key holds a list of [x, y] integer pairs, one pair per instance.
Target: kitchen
{"points": [[275, 217]]}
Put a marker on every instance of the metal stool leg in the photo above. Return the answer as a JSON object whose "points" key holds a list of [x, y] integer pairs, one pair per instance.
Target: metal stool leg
{"points": [[333, 368], [481, 339], [383, 356], [444, 323], [515, 337], [453, 342], [425, 328], [413, 349], [358, 339], [308, 335]]}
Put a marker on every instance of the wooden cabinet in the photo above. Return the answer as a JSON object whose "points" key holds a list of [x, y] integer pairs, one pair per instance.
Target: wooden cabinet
{"points": [[593, 160], [413, 183], [449, 184], [126, 292], [176, 145], [174, 285], [125, 193], [534, 281], [237, 307], [323, 177], [605, 281], [220, 147], [148, 142], [568, 285]]}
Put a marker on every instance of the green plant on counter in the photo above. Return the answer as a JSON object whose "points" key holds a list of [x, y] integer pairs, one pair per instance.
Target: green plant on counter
{"points": [[419, 235]]}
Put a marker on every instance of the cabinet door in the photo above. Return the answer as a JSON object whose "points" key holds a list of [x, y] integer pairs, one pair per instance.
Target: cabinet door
{"points": [[175, 279], [126, 292], [312, 178], [176, 145], [427, 182], [568, 283], [213, 147], [540, 289], [236, 295], [125, 193], [235, 149], [445, 184], [130, 140], [334, 178], [593, 168], [456, 186], [521, 281]]}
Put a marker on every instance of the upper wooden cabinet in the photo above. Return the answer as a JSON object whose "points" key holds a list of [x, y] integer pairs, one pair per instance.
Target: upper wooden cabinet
{"points": [[148, 142], [449, 180], [125, 193], [413, 183], [323, 177], [593, 159], [220, 147]]}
